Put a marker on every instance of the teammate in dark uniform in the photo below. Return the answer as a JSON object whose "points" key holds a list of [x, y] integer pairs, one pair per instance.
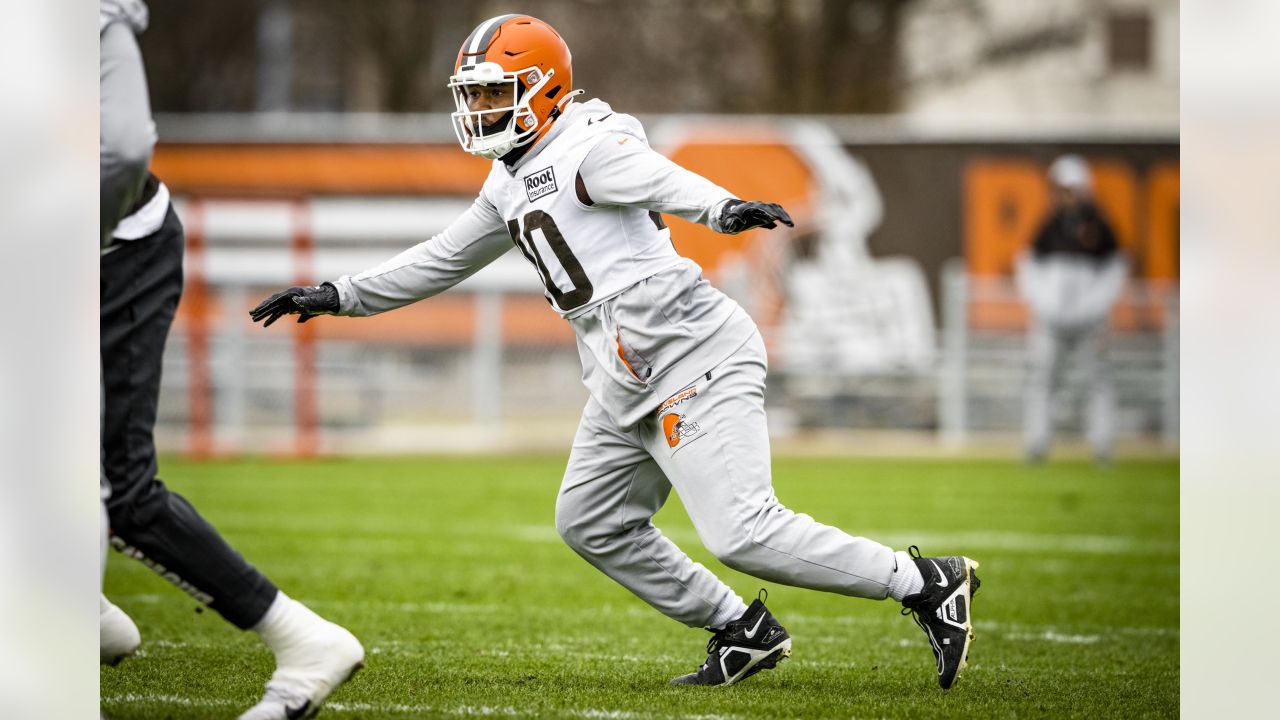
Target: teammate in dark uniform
{"points": [[141, 282]]}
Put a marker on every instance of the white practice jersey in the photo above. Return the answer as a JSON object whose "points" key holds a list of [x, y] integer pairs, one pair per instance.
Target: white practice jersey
{"points": [[585, 244], [585, 207]]}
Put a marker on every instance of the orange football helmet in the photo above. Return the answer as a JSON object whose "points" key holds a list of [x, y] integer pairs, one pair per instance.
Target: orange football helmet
{"points": [[526, 53]]}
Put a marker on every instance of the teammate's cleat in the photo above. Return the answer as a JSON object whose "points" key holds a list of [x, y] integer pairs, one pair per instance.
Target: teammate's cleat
{"points": [[745, 646], [307, 671], [118, 637], [942, 608]]}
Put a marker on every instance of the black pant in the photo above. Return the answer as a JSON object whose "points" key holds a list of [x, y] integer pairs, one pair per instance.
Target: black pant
{"points": [[141, 284]]}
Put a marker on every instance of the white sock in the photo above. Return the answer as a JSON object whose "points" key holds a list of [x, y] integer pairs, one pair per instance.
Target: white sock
{"points": [[285, 622], [906, 579], [728, 611]]}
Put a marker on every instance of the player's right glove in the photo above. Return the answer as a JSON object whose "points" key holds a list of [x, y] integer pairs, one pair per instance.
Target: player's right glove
{"points": [[305, 302], [737, 216]]}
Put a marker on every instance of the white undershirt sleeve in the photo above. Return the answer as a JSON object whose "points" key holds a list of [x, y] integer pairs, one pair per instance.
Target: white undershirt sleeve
{"points": [[475, 239], [622, 170]]}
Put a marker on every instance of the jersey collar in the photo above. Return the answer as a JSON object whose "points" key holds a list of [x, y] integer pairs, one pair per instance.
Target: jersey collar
{"points": [[570, 116]]}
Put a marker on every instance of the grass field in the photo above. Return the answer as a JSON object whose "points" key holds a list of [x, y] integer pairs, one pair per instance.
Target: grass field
{"points": [[451, 573]]}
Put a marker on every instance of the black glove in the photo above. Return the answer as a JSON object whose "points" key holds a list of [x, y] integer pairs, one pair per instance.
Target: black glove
{"points": [[737, 216], [305, 302]]}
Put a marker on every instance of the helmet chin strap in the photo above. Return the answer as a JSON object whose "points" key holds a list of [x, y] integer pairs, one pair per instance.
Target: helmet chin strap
{"points": [[558, 110], [514, 155]]}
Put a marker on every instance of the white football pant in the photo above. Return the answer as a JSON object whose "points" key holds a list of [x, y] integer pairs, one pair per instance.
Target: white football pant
{"points": [[711, 443]]}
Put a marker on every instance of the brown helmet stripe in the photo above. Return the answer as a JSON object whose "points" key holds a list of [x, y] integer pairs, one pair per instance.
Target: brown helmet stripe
{"points": [[478, 41]]}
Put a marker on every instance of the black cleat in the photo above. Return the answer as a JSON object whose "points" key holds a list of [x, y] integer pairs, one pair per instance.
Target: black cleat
{"points": [[745, 646], [941, 609]]}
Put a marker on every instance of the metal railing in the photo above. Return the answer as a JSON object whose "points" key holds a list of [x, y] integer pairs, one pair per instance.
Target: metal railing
{"points": [[982, 374]]}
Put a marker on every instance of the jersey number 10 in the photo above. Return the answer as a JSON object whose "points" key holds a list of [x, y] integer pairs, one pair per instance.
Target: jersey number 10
{"points": [[539, 220]]}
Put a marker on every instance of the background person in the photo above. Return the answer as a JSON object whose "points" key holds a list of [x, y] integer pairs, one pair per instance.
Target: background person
{"points": [[1070, 277]]}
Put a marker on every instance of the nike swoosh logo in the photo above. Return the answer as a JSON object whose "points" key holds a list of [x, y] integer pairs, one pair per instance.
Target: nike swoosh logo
{"points": [[942, 577], [293, 713], [752, 632], [599, 119]]}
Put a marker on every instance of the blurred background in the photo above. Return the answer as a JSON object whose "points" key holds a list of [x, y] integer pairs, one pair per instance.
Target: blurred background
{"points": [[909, 138]]}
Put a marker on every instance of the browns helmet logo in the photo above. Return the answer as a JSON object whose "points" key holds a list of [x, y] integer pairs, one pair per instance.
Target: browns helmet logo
{"points": [[676, 428]]}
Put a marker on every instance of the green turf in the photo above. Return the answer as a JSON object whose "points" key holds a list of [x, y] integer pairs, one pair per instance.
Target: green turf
{"points": [[451, 573]]}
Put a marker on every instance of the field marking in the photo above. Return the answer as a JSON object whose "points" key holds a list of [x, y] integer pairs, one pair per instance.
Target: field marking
{"points": [[1056, 633], [1053, 637], [1013, 632], [396, 648], [339, 706], [402, 708], [137, 699], [1006, 629]]}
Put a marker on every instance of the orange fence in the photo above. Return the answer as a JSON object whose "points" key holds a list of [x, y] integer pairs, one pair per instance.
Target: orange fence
{"points": [[198, 313], [281, 170]]}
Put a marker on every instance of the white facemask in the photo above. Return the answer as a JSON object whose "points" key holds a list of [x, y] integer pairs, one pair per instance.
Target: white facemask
{"points": [[519, 124]]}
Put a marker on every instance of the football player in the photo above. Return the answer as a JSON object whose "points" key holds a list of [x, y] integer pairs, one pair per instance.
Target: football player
{"points": [[141, 269], [674, 368]]}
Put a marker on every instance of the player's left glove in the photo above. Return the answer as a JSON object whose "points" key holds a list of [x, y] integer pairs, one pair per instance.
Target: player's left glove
{"points": [[737, 216], [305, 302]]}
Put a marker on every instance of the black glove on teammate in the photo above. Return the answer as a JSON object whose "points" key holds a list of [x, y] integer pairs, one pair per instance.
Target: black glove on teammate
{"points": [[305, 302], [737, 216]]}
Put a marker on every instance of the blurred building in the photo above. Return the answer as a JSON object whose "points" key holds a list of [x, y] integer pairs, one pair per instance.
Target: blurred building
{"points": [[1110, 60], [1113, 59]]}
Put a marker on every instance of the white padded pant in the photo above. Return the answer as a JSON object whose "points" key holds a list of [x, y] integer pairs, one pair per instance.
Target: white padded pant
{"points": [[710, 442]]}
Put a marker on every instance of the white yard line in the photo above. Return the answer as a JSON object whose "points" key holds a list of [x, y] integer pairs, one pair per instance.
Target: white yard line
{"points": [[1053, 637], [402, 708], [1019, 631], [1073, 635], [138, 699]]}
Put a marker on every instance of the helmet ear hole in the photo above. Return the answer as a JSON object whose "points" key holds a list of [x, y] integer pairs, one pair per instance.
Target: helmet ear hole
{"points": [[553, 92]]}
